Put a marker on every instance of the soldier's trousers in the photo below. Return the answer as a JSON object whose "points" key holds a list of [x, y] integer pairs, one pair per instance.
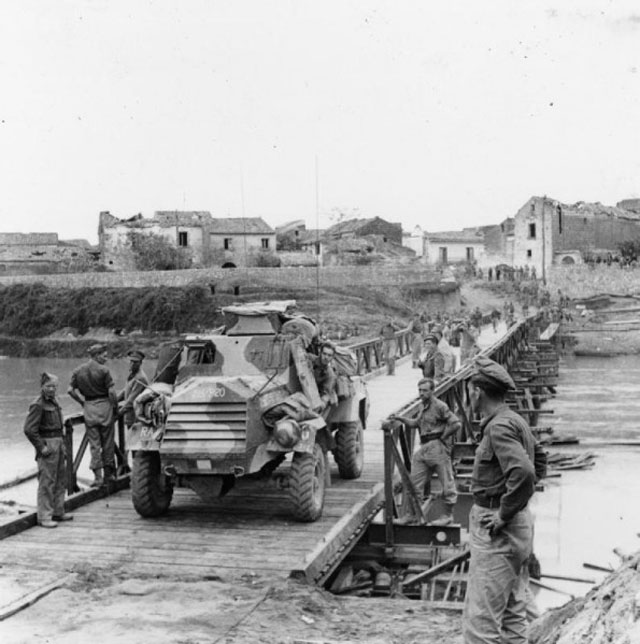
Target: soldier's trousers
{"points": [[432, 458], [389, 353], [495, 609], [102, 444], [51, 481]]}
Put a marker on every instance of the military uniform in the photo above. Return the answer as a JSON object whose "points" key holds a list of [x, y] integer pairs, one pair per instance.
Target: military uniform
{"points": [[43, 428], [326, 378], [135, 385], [507, 463], [434, 453], [390, 346], [94, 382]]}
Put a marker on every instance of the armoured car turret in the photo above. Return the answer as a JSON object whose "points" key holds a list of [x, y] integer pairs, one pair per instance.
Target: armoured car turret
{"points": [[243, 402]]}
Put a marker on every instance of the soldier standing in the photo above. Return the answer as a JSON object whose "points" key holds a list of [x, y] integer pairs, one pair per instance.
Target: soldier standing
{"points": [[390, 345], [43, 428], [92, 387], [137, 382], [437, 424], [507, 463]]}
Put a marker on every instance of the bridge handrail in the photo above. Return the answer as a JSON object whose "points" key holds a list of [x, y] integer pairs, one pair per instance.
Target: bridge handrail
{"points": [[399, 440]]}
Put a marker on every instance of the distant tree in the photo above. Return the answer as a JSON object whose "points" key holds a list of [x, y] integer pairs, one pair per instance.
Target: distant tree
{"points": [[288, 242], [154, 252], [263, 259]]}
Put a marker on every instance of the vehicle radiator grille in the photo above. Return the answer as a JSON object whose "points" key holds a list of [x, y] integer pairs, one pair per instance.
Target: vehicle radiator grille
{"points": [[203, 427]]}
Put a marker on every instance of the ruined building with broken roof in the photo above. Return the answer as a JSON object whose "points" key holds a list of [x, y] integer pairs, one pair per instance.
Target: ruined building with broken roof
{"points": [[226, 242], [548, 232], [42, 253]]}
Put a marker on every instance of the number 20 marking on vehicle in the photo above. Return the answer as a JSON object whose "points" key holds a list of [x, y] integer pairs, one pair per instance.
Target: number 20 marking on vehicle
{"points": [[218, 392]]}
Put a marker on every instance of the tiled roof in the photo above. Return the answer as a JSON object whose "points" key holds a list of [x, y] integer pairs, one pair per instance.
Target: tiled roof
{"points": [[168, 218], [240, 226], [460, 236]]}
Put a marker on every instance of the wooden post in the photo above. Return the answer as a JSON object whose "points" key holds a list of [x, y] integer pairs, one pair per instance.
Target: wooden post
{"points": [[388, 489], [68, 450]]}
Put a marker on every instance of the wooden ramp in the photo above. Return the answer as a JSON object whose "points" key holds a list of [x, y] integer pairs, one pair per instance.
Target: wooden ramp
{"points": [[249, 531]]}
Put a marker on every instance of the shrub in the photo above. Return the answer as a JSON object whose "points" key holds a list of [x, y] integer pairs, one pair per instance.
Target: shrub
{"points": [[154, 252]]}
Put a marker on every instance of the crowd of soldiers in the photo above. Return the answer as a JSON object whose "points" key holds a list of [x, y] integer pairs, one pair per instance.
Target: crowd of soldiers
{"points": [[431, 339]]}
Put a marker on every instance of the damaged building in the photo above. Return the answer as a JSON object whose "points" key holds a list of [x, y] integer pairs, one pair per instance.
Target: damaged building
{"points": [[43, 253], [211, 241], [548, 232]]}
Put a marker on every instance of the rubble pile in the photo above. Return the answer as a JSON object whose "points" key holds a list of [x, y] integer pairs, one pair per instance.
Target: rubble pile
{"points": [[609, 613]]}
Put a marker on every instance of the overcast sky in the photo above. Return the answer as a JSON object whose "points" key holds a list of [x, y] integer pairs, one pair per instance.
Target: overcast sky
{"points": [[443, 114]]}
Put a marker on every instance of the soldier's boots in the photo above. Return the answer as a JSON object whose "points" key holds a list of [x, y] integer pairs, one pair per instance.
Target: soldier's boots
{"points": [[47, 523], [109, 473], [446, 518], [63, 517], [98, 481]]}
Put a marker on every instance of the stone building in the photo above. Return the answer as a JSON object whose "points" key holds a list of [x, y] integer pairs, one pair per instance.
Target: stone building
{"points": [[299, 245], [448, 247], [548, 232], [454, 247], [233, 240], [210, 241], [42, 253], [498, 243]]}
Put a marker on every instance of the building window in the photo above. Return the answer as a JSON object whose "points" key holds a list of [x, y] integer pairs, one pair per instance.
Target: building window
{"points": [[228, 243], [265, 243], [532, 231], [559, 211], [533, 208], [183, 239], [529, 254], [469, 253], [442, 254]]}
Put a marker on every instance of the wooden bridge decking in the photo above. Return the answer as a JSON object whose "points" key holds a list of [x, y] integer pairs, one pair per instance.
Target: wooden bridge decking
{"points": [[247, 531]]}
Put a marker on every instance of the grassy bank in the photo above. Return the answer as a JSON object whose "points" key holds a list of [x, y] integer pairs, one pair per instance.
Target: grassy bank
{"points": [[36, 320]]}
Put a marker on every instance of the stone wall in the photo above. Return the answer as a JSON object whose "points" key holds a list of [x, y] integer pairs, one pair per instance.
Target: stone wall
{"points": [[304, 277]]}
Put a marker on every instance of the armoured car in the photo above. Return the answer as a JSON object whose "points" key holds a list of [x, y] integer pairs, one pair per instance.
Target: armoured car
{"points": [[242, 402]]}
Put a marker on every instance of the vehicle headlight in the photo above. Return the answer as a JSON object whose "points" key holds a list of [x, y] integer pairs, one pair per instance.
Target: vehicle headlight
{"points": [[287, 432]]}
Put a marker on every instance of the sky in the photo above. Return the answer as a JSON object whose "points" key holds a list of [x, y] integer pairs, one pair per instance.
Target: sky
{"points": [[439, 114]]}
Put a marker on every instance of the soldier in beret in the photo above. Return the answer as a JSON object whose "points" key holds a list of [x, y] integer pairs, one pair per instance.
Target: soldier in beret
{"points": [[43, 428], [92, 387], [507, 464]]}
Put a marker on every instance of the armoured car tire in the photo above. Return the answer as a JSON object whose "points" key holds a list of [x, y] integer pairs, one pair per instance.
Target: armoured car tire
{"points": [[307, 484], [150, 490], [349, 451]]}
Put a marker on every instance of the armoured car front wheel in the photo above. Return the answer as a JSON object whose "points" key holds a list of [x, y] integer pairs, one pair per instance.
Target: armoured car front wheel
{"points": [[151, 491], [349, 451], [307, 484]]}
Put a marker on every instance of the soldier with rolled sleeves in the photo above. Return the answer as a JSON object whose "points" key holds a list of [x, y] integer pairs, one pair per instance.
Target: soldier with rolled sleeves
{"points": [[507, 464], [92, 387], [437, 425], [43, 428]]}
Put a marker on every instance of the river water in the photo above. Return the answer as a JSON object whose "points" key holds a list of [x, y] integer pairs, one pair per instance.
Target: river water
{"points": [[580, 517]]}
